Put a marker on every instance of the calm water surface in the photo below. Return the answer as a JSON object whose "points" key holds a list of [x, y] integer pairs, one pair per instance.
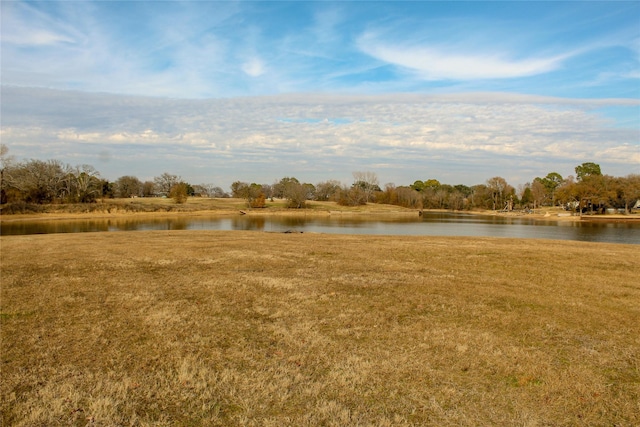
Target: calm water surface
{"points": [[431, 224]]}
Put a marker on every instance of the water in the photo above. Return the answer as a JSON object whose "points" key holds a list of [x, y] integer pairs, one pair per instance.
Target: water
{"points": [[431, 224]]}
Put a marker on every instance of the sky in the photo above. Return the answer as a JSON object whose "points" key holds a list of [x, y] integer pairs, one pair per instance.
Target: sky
{"points": [[256, 91]]}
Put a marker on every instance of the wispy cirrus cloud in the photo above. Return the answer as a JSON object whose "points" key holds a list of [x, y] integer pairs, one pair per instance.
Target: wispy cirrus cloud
{"points": [[86, 46], [216, 49], [433, 62], [26, 26]]}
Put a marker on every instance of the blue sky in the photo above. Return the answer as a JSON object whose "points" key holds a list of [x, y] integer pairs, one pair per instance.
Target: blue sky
{"points": [[221, 91]]}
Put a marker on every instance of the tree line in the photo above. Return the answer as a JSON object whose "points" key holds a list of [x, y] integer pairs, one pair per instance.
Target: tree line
{"points": [[51, 181]]}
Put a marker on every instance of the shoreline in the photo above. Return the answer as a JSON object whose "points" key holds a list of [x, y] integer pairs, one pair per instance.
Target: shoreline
{"points": [[554, 215]]}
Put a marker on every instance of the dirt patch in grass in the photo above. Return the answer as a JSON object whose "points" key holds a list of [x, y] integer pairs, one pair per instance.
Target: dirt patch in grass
{"points": [[258, 329]]}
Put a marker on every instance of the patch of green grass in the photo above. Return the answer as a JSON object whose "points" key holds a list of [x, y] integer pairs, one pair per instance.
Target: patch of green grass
{"points": [[14, 315]]}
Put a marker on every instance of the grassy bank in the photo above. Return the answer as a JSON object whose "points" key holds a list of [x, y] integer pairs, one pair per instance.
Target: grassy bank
{"points": [[127, 206], [262, 329], [118, 208], [162, 207], [192, 205]]}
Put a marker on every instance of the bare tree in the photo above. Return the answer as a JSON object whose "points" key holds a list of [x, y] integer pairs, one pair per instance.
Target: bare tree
{"points": [[629, 190], [538, 192], [203, 190], [239, 189], [267, 190], [164, 182], [37, 181], [368, 182], [128, 186], [353, 196], [498, 187], [456, 200], [296, 194], [279, 189], [6, 162], [148, 189], [218, 192], [87, 184], [327, 190], [407, 197]]}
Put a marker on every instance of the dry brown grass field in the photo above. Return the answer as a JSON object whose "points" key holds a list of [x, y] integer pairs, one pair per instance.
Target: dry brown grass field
{"points": [[193, 205], [232, 328]]}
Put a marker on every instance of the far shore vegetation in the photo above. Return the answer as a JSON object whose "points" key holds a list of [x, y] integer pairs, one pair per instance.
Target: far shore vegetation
{"points": [[239, 328], [33, 186]]}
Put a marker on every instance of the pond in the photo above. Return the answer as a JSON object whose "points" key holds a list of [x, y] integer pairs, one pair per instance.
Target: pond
{"points": [[430, 224]]}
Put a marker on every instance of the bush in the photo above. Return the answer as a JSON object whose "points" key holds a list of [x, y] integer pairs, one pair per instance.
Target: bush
{"points": [[258, 202], [179, 192]]}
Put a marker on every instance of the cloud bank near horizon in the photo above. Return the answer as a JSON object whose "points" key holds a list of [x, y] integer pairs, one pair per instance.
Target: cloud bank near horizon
{"points": [[454, 138]]}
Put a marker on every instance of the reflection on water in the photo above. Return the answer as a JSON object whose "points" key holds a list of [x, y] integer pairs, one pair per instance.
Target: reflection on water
{"points": [[431, 224]]}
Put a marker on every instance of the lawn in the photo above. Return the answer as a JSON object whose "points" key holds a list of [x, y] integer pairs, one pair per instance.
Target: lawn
{"points": [[225, 328]]}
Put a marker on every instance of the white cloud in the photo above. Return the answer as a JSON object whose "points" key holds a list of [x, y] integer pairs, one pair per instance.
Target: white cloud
{"points": [[84, 46], [216, 49], [38, 38], [23, 25], [456, 138], [254, 67], [451, 63], [635, 74]]}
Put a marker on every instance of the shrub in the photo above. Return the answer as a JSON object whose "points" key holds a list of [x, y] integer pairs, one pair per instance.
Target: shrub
{"points": [[258, 202], [179, 192], [352, 197]]}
